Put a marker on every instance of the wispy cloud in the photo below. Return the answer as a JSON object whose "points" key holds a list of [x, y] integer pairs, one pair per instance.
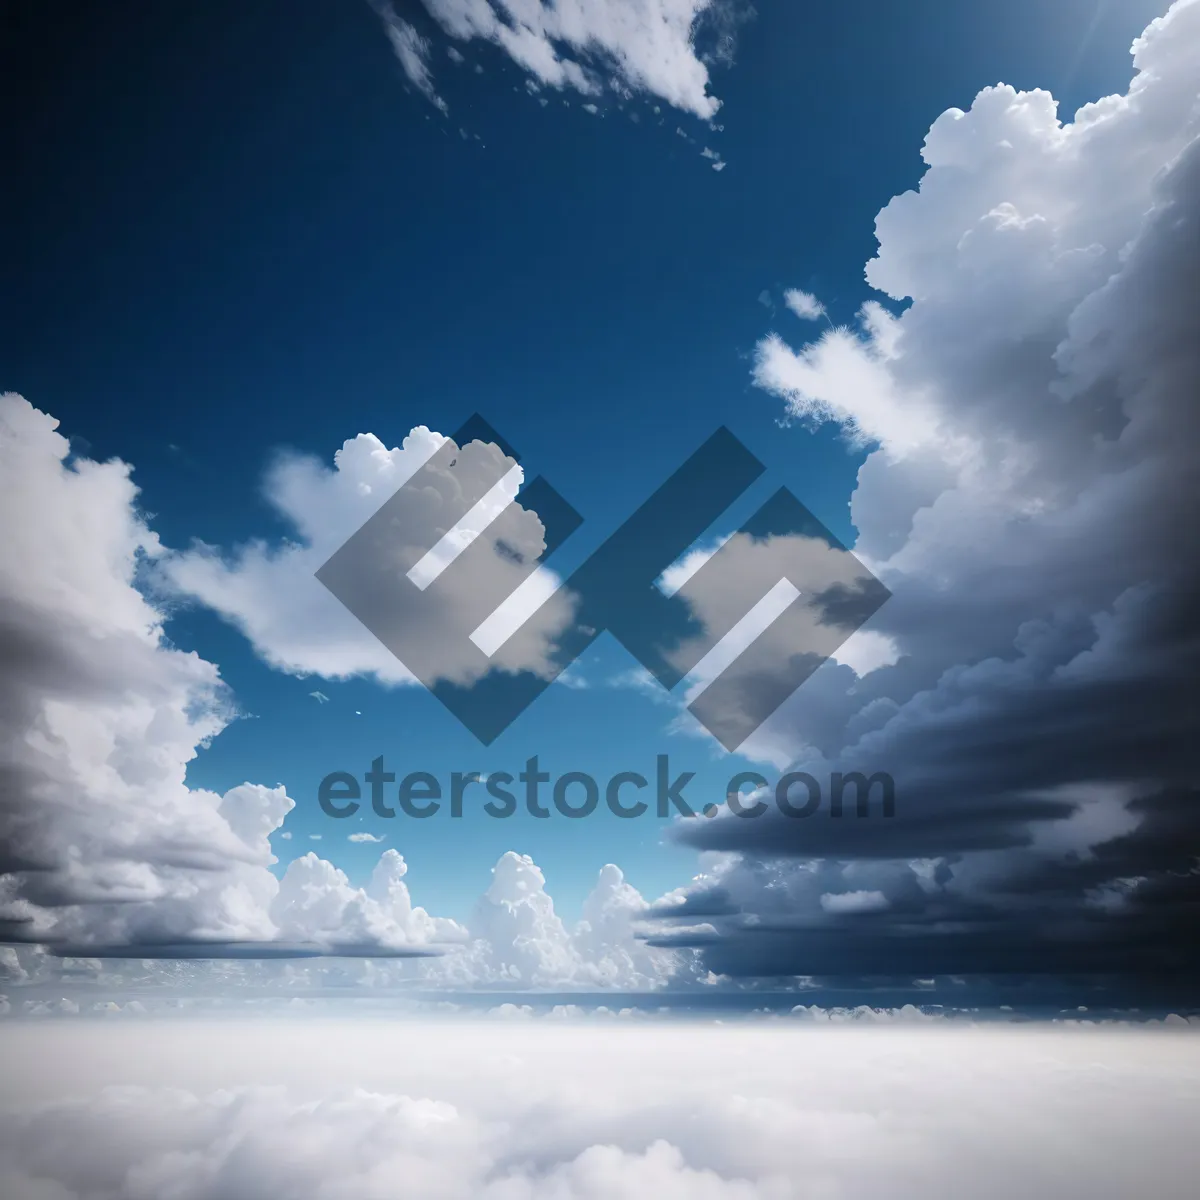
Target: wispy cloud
{"points": [[412, 50], [658, 48], [805, 305]]}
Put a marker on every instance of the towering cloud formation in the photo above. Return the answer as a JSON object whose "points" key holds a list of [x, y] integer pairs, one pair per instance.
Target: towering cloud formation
{"points": [[100, 838], [1035, 468], [519, 941], [102, 842], [104, 847]]}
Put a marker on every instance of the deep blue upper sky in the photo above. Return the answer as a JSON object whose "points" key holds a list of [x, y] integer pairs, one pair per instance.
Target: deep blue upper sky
{"points": [[236, 229]]}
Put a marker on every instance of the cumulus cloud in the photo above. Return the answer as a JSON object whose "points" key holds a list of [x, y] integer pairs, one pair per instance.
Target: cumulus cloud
{"points": [[106, 850], [561, 1111], [519, 941], [102, 842], [1031, 424], [659, 48], [316, 904], [442, 518], [101, 716]]}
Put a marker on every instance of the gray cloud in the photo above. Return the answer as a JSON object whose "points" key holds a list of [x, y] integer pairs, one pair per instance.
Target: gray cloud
{"points": [[1028, 503]]}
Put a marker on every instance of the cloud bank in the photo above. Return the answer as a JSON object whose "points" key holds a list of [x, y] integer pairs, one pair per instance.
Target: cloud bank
{"points": [[1033, 469], [106, 850], [568, 1112]]}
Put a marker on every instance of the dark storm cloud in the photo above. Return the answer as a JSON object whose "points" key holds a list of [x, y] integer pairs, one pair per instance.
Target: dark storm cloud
{"points": [[1032, 516]]}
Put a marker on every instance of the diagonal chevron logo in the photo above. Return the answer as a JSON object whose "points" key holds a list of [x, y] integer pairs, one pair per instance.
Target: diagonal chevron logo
{"points": [[747, 625]]}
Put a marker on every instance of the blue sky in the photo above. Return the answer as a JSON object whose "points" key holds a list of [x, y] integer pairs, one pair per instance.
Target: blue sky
{"points": [[934, 263], [244, 238], [283, 245]]}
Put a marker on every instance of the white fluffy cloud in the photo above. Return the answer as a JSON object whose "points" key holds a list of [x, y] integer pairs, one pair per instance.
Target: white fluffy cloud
{"points": [[562, 1111], [102, 841], [805, 305], [270, 590], [105, 845], [519, 941], [514, 941], [100, 716], [317, 904], [631, 46]]}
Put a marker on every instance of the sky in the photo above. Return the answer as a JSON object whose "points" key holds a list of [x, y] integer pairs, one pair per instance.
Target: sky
{"points": [[930, 264]]}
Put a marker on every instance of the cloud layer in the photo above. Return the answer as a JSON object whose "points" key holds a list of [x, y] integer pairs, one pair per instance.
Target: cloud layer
{"points": [[566, 1112]]}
